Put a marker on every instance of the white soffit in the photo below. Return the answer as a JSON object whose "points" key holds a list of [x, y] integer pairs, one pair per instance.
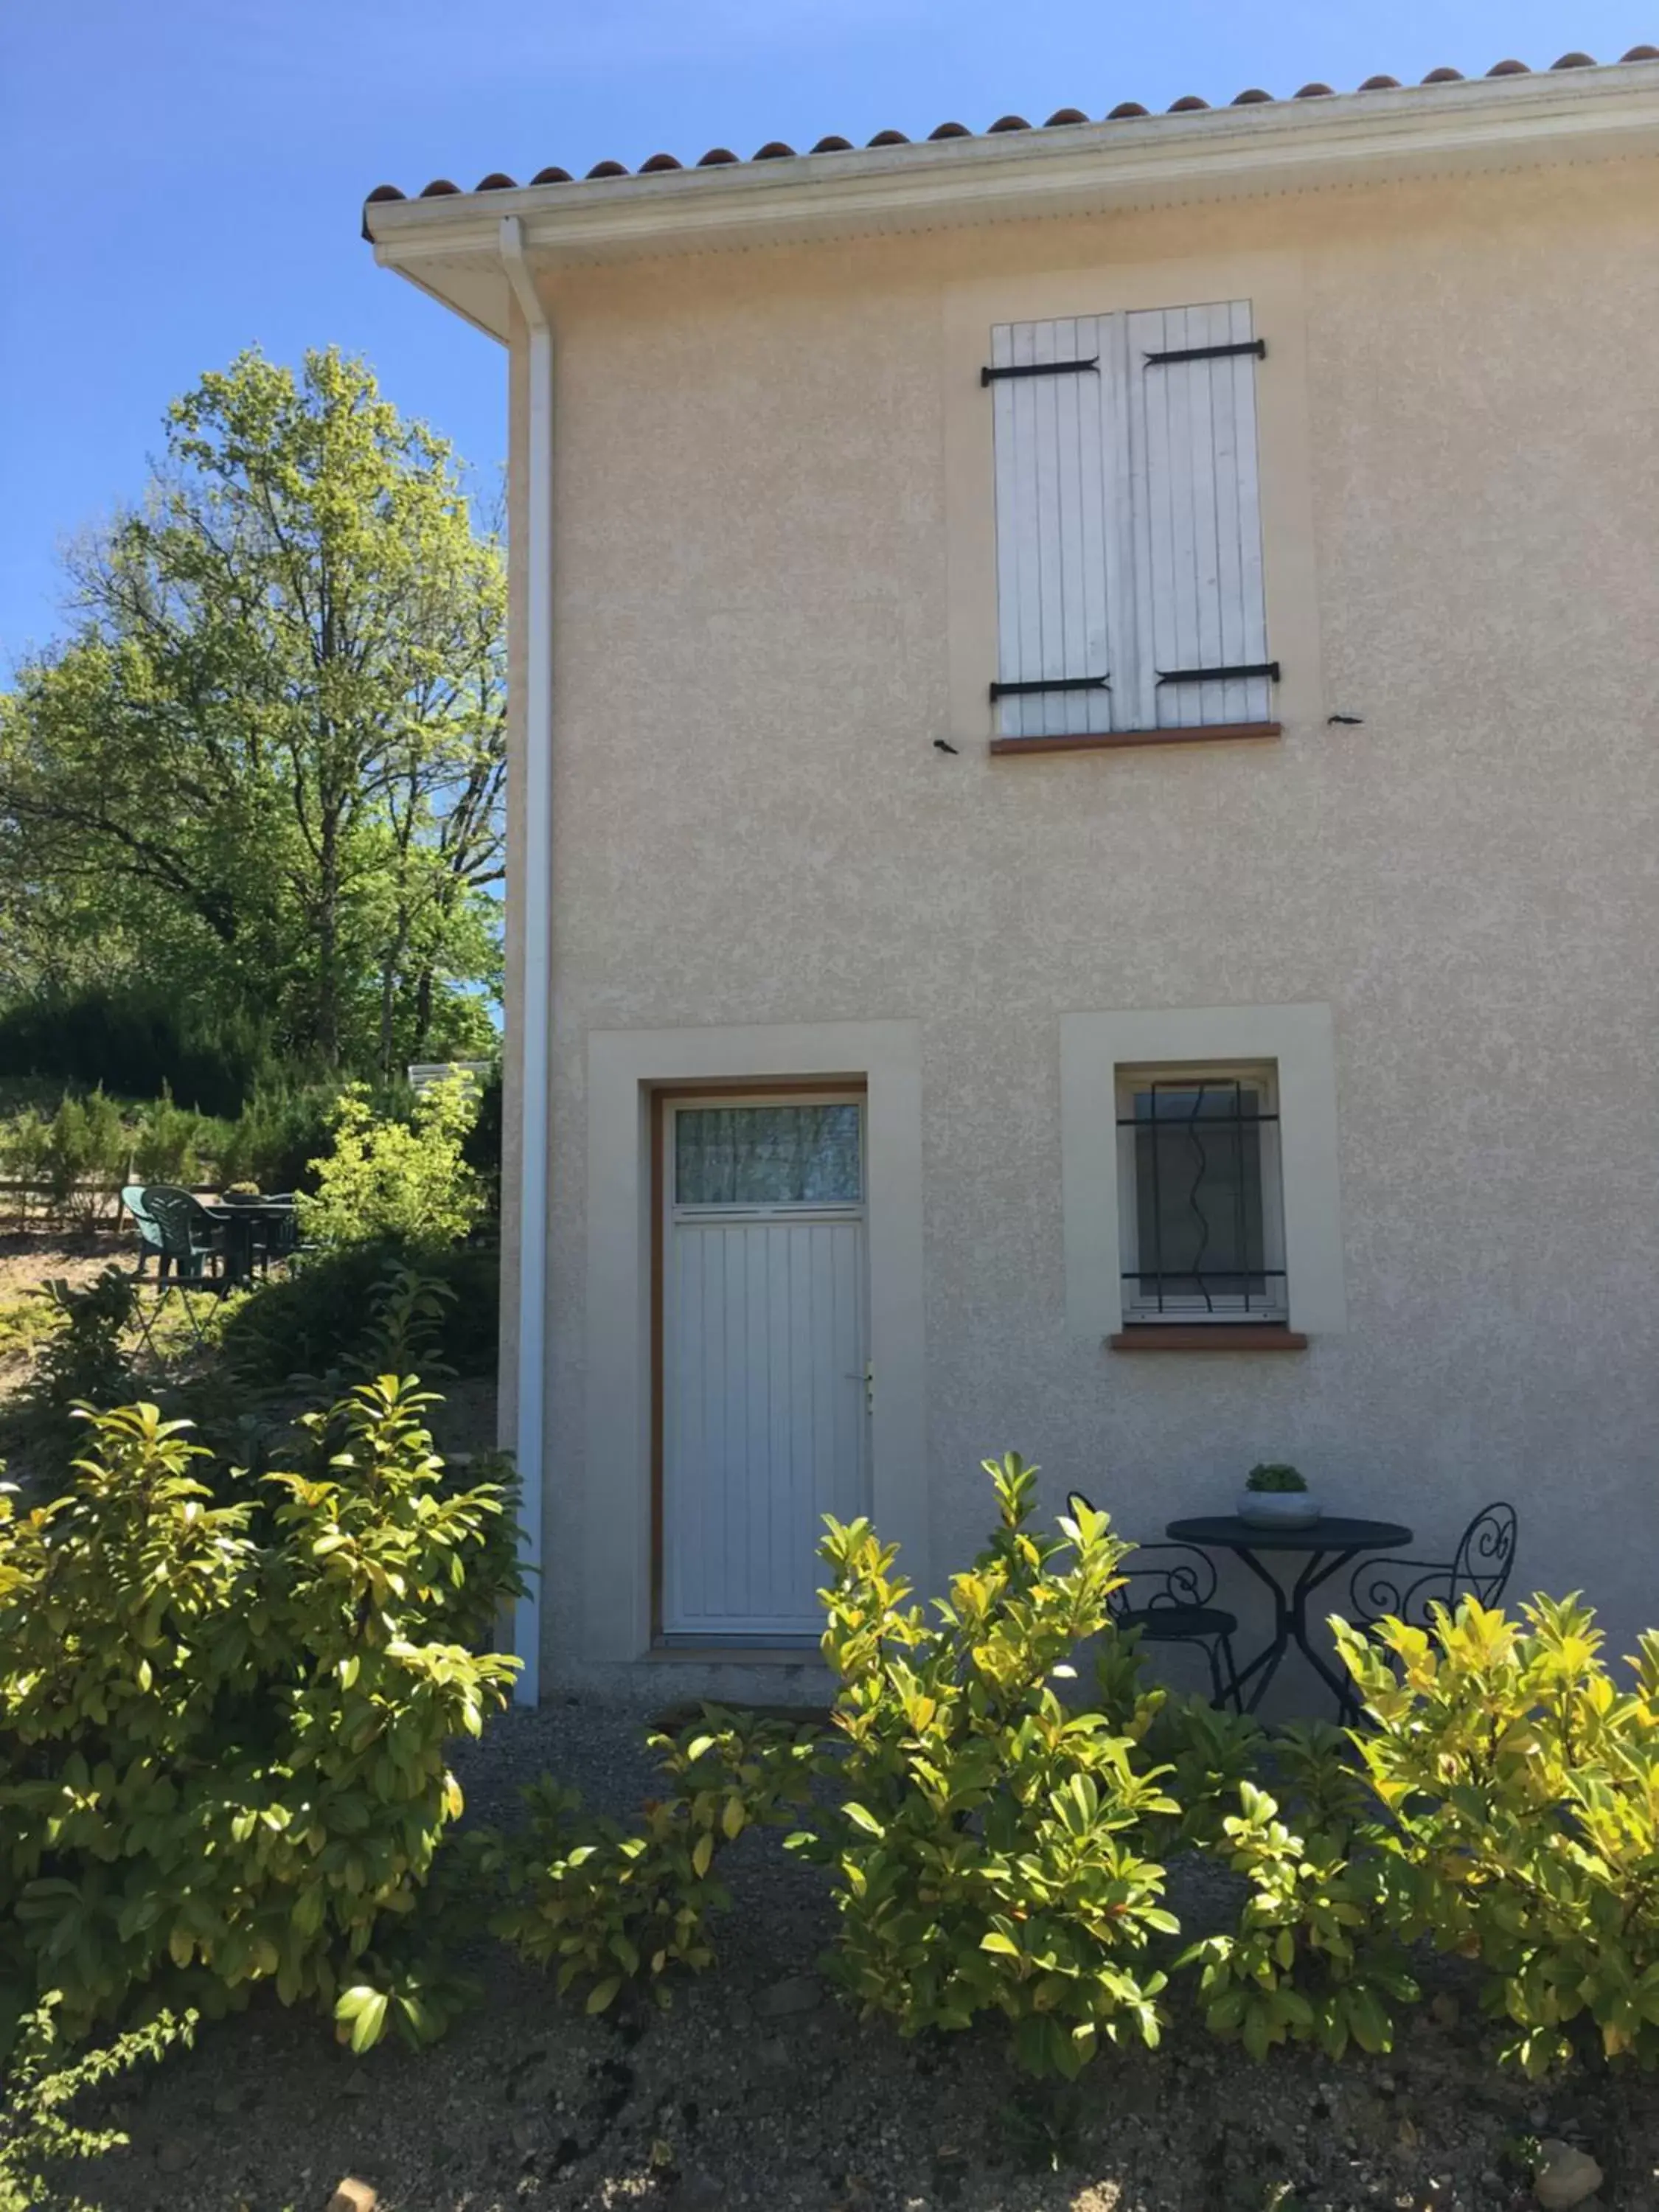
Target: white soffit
{"points": [[448, 244]]}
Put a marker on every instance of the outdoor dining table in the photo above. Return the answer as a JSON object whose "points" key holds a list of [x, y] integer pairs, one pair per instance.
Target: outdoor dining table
{"points": [[238, 1223], [1329, 1544]]}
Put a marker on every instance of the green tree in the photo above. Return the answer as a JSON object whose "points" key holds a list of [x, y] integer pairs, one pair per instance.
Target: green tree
{"points": [[267, 768]]}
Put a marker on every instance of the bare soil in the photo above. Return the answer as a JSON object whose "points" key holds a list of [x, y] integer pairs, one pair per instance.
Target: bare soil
{"points": [[759, 2089]]}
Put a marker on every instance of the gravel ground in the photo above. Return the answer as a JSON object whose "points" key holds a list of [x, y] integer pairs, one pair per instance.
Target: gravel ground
{"points": [[759, 2090]]}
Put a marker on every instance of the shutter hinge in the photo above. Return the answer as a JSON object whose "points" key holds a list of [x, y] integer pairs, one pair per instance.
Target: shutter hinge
{"points": [[1257, 346], [1050, 683], [1043, 368], [1269, 668]]}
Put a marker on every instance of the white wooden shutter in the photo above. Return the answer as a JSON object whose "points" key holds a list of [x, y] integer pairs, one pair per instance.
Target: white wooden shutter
{"points": [[1199, 598], [1128, 523], [1060, 451]]}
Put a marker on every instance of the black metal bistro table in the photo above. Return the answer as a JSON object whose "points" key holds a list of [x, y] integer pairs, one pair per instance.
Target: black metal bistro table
{"points": [[1329, 1544]]}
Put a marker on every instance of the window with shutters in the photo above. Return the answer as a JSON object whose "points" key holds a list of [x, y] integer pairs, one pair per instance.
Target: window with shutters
{"points": [[1128, 532]]}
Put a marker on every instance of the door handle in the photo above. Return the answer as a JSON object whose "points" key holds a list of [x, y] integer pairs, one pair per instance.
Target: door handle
{"points": [[867, 1376]]}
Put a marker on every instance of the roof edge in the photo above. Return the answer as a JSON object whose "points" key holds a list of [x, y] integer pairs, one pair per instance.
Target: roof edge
{"points": [[1588, 113]]}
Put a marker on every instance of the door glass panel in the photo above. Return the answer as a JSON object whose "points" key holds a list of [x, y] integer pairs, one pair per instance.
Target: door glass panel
{"points": [[767, 1156]]}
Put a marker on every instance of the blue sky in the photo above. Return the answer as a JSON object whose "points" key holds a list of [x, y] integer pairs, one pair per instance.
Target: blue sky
{"points": [[182, 178]]}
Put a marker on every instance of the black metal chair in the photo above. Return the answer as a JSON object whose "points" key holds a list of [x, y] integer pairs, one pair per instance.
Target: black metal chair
{"points": [[1167, 1598], [1408, 1590]]}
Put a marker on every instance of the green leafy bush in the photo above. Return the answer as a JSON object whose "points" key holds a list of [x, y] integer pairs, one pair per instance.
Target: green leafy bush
{"points": [[987, 1848], [406, 1182], [484, 1139], [1203, 1751], [276, 1138], [174, 1145], [1314, 1957], [38, 2129], [81, 1359], [86, 1155], [132, 1037], [222, 1753], [321, 1317], [608, 1905], [1520, 1785], [25, 1147]]}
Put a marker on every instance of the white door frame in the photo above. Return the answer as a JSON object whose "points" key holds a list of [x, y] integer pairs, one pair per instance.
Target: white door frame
{"points": [[600, 1502], [670, 1215]]}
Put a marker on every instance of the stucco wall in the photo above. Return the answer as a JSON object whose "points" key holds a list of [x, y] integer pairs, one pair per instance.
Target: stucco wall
{"points": [[753, 825]]}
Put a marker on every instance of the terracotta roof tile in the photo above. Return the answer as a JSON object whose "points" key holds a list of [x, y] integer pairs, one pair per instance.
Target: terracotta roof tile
{"points": [[776, 150]]}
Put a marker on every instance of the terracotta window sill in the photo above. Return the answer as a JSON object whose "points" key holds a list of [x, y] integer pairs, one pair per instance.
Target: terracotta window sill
{"points": [[1100, 741], [1217, 1336], [736, 1655]]}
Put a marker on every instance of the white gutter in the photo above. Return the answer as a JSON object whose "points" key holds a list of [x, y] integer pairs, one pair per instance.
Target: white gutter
{"points": [[536, 985], [1275, 145]]}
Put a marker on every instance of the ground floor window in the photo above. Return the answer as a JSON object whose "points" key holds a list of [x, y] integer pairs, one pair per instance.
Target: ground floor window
{"points": [[1202, 1205], [1200, 1200]]}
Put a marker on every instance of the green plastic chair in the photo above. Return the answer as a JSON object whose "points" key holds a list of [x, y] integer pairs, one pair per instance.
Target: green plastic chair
{"points": [[191, 1244], [190, 1238], [150, 1238]]}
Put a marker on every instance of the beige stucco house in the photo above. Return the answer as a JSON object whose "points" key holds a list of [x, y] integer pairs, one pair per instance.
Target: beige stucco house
{"points": [[1085, 838]]}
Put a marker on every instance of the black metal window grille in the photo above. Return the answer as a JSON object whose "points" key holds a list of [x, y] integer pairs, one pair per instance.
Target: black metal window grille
{"points": [[1201, 1160]]}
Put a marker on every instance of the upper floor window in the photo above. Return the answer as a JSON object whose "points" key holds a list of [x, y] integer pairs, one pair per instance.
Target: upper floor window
{"points": [[1128, 530]]}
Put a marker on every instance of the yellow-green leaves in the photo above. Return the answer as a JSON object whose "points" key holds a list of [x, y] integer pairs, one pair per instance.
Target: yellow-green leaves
{"points": [[1522, 1780], [229, 1722], [588, 1896], [387, 1178], [987, 1845], [362, 2011]]}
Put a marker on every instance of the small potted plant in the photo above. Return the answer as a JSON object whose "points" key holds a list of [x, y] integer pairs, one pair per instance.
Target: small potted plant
{"points": [[1277, 1496]]}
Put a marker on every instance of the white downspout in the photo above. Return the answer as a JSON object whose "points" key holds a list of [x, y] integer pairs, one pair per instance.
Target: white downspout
{"points": [[535, 998]]}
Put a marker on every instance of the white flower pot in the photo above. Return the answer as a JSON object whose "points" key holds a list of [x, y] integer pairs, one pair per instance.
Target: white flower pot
{"points": [[1278, 1508]]}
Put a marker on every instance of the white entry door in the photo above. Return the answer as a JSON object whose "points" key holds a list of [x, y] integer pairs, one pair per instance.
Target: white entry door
{"points": [[765, 1358]]}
